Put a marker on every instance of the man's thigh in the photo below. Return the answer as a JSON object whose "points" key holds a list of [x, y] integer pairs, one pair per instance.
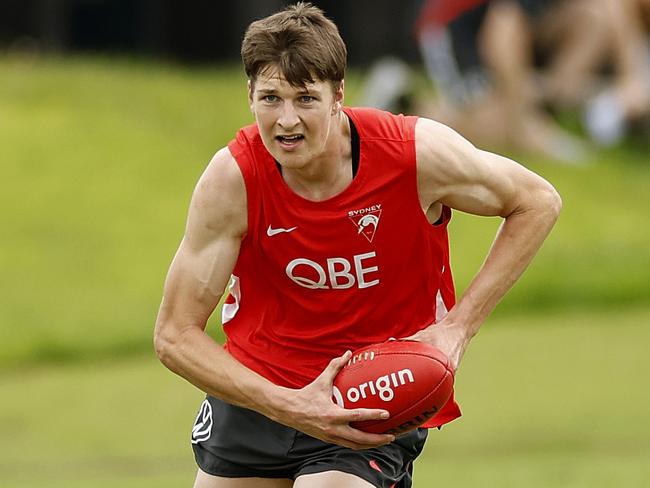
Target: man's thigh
{"points": [[205, 480], [328, 479]]}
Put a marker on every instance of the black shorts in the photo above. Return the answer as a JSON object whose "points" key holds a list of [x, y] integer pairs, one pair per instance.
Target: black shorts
{"points": [[235, 442]]}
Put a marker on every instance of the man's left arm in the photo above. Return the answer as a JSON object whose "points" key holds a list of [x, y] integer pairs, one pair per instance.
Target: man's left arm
{"points": [[452, 172]]}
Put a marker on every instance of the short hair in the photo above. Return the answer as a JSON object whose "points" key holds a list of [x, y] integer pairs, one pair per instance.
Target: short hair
{"points": [[300, 41]]}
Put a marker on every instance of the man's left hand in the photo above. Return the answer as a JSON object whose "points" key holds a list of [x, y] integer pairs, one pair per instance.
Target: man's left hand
{"points": [[450, 338]]}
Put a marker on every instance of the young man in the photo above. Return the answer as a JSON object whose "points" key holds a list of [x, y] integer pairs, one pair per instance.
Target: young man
{"points": [[329, 223]]}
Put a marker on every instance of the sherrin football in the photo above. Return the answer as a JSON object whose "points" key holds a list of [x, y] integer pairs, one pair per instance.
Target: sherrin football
{"points": [[411, 380]]}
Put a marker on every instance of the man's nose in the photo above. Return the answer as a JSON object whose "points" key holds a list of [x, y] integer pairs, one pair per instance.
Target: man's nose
{"points": [[289, 117]]}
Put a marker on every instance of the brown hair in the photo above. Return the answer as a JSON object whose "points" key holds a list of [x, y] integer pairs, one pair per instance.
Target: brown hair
{"points": [[300, 41]]}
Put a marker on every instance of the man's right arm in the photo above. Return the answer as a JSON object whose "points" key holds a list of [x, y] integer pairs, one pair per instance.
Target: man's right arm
{"points": [[195, 283], [197, 278]]}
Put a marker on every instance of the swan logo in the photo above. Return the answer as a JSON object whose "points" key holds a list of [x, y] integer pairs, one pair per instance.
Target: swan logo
{"points": [[366, 220]]}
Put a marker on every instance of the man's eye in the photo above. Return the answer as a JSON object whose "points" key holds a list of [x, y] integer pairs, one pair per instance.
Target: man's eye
{"points": [[270, 98], [306, 99]]}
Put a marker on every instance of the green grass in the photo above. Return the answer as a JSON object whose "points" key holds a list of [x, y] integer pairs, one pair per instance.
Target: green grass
{"points": [[99, 162], [99, 159], [560, 401]]}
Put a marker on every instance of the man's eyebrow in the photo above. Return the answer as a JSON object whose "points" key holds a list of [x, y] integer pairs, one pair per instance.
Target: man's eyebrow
{"points": [[309, 91], [301, 91]]}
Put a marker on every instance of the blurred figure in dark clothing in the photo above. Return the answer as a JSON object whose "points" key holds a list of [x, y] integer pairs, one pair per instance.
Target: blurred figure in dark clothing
{"points": [[480, 57], [497, 64]]}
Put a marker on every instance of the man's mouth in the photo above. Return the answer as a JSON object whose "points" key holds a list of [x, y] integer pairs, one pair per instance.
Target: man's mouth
{"points": [[289, 139]]}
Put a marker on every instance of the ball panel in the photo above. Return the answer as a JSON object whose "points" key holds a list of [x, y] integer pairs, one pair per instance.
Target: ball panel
{"points": [[426, 408], [396, 378], [414, 415], [411, 380]]}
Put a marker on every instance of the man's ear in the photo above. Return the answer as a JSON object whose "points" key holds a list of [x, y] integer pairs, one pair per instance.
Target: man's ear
{"points": [[340, 94], [338, 99], [250, 94]]}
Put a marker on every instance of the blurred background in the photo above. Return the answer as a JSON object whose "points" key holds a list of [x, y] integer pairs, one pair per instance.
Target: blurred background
{"points": [[109, 112]]}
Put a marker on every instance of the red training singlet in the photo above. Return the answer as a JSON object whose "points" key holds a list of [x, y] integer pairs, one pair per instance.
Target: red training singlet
{"points": [[314, 279]]}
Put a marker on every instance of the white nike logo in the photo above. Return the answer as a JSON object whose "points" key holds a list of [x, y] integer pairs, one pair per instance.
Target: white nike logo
{"points": [[271, 232]]}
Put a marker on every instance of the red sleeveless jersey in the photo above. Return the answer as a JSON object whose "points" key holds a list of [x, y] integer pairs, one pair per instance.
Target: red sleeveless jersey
{"points": [[314, 279]]}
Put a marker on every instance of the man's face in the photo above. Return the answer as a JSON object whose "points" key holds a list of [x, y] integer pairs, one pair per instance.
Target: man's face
{"points": [[294, 122]]}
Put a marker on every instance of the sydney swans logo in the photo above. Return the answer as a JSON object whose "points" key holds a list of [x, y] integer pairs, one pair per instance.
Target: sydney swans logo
{"points": [[366, 220]]}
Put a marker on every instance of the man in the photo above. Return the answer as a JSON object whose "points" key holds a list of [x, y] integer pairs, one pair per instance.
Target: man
{"points": [[329, 223]]}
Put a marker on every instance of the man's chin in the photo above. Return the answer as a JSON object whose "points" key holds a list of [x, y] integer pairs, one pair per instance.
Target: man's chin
{"points": [[291, 160]]}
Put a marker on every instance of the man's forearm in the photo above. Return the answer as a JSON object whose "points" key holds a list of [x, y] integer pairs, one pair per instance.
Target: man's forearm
{"points": [[517, 241], [197, 358]]}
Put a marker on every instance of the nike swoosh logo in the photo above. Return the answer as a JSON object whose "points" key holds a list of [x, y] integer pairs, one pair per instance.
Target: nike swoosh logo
{"points": [[271, 232]]}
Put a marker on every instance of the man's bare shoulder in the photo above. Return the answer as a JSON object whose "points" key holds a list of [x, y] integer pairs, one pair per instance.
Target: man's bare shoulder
{"points": [[219, 199], [438, 147], [444, 160], [453, 172]]}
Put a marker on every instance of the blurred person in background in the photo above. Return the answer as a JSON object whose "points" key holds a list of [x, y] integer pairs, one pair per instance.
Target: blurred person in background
{"points": [[618, 99], [497, 65], [593, 58]]}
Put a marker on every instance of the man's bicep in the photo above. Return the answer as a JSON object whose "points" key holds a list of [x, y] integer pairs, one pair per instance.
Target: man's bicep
{"points": [[216, 224], [453, 172], [488, 185], [197, 279]]}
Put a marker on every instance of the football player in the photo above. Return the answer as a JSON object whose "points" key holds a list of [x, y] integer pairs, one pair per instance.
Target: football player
{"points": [[328, 226]]}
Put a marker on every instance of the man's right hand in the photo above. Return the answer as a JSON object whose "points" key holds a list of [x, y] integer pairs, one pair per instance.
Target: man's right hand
{"points": [[312, 411]]}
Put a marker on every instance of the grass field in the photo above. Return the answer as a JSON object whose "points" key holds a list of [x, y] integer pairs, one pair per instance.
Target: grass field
{"points": [[556, 401], [99, 158]]}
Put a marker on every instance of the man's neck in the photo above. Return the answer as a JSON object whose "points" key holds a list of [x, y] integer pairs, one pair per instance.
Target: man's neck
{"points": [[331, 172]]}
